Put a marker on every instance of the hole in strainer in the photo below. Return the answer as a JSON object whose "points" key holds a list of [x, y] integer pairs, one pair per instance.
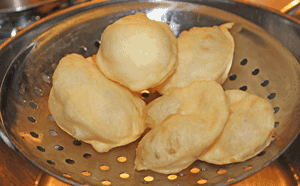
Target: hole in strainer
{"points": [[276, 124], [87, 156], [264, 83], [33, 105], [145, 93], [195, 170], [124, 175], [255, 71], [38, 91], [172, 177], [77, 142], [42, 149], [204, 169], [202, 181], [50, 117], [230, 179], [273, 138], [97, 43], [67, 175], [244, 88], [262, 153], [59, 147], [53, 132], [271, 96], [149, 178], [70, 161], [105, 182], [86, 173], [122, 159], [276, 109], [51, 162], [104, 167], [82, 50], [46, 79], [244, 62], [34, 134], [247, 168], [31, 119], [222, 171], [181, 175], [232, 77]]}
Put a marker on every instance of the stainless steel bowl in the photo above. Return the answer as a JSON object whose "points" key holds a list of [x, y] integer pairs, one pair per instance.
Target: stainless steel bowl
{"points": [[30, 59], [8, 6]]}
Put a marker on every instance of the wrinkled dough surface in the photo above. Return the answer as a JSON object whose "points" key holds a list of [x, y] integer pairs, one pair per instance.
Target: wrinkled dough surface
{"points": [[204, 53], [248, 131], [92, 108], [200, 97], [180, 136], [137, 52]]}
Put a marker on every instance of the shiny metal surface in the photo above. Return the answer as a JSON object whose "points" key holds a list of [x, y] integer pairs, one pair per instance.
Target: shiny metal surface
{"points": [[291, 8], [275, 174], [34, 53], [8, 6]]}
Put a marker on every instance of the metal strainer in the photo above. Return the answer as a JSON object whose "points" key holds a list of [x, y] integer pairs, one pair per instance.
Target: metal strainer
{"points": [[262, 66]]}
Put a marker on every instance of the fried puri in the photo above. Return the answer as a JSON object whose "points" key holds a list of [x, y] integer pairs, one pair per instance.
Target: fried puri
{"points": [[196, 98], [180, 136], [204, 53], [92, 108], [137, 52], [248, 131]]}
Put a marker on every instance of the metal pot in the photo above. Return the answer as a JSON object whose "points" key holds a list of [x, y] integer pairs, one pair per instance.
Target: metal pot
{"points": [[8, 6], [54, 36]]}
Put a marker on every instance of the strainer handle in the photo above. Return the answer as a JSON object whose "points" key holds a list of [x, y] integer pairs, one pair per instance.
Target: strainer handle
{"points": [[291, 8]]}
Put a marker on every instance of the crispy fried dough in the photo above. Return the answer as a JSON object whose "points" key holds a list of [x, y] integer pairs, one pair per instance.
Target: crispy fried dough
{"points": [[248, 131], [92, 108], [199, 97], [204, 53], [180, 136], [137, 52]]}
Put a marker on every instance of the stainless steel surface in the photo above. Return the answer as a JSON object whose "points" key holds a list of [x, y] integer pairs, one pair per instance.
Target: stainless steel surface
{"points": [[37, 50], [12, 21], [291, 8], [7, 6], [10, 24], [275, 174], [15, 169]]}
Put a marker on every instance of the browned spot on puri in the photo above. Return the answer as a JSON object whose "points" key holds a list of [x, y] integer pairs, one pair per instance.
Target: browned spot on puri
{"points": [[208, 36], [94, 58], [157, 156], [172, 145], [164, 129], [171, 151], [267, 109], [177, 143], [204, 48]]}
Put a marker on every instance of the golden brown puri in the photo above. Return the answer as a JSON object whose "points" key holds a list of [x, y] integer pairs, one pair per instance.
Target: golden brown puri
{"points": [[248, 131], [180, 136], [204, 53], [92, 108], [137, 52], [197, 98]]}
